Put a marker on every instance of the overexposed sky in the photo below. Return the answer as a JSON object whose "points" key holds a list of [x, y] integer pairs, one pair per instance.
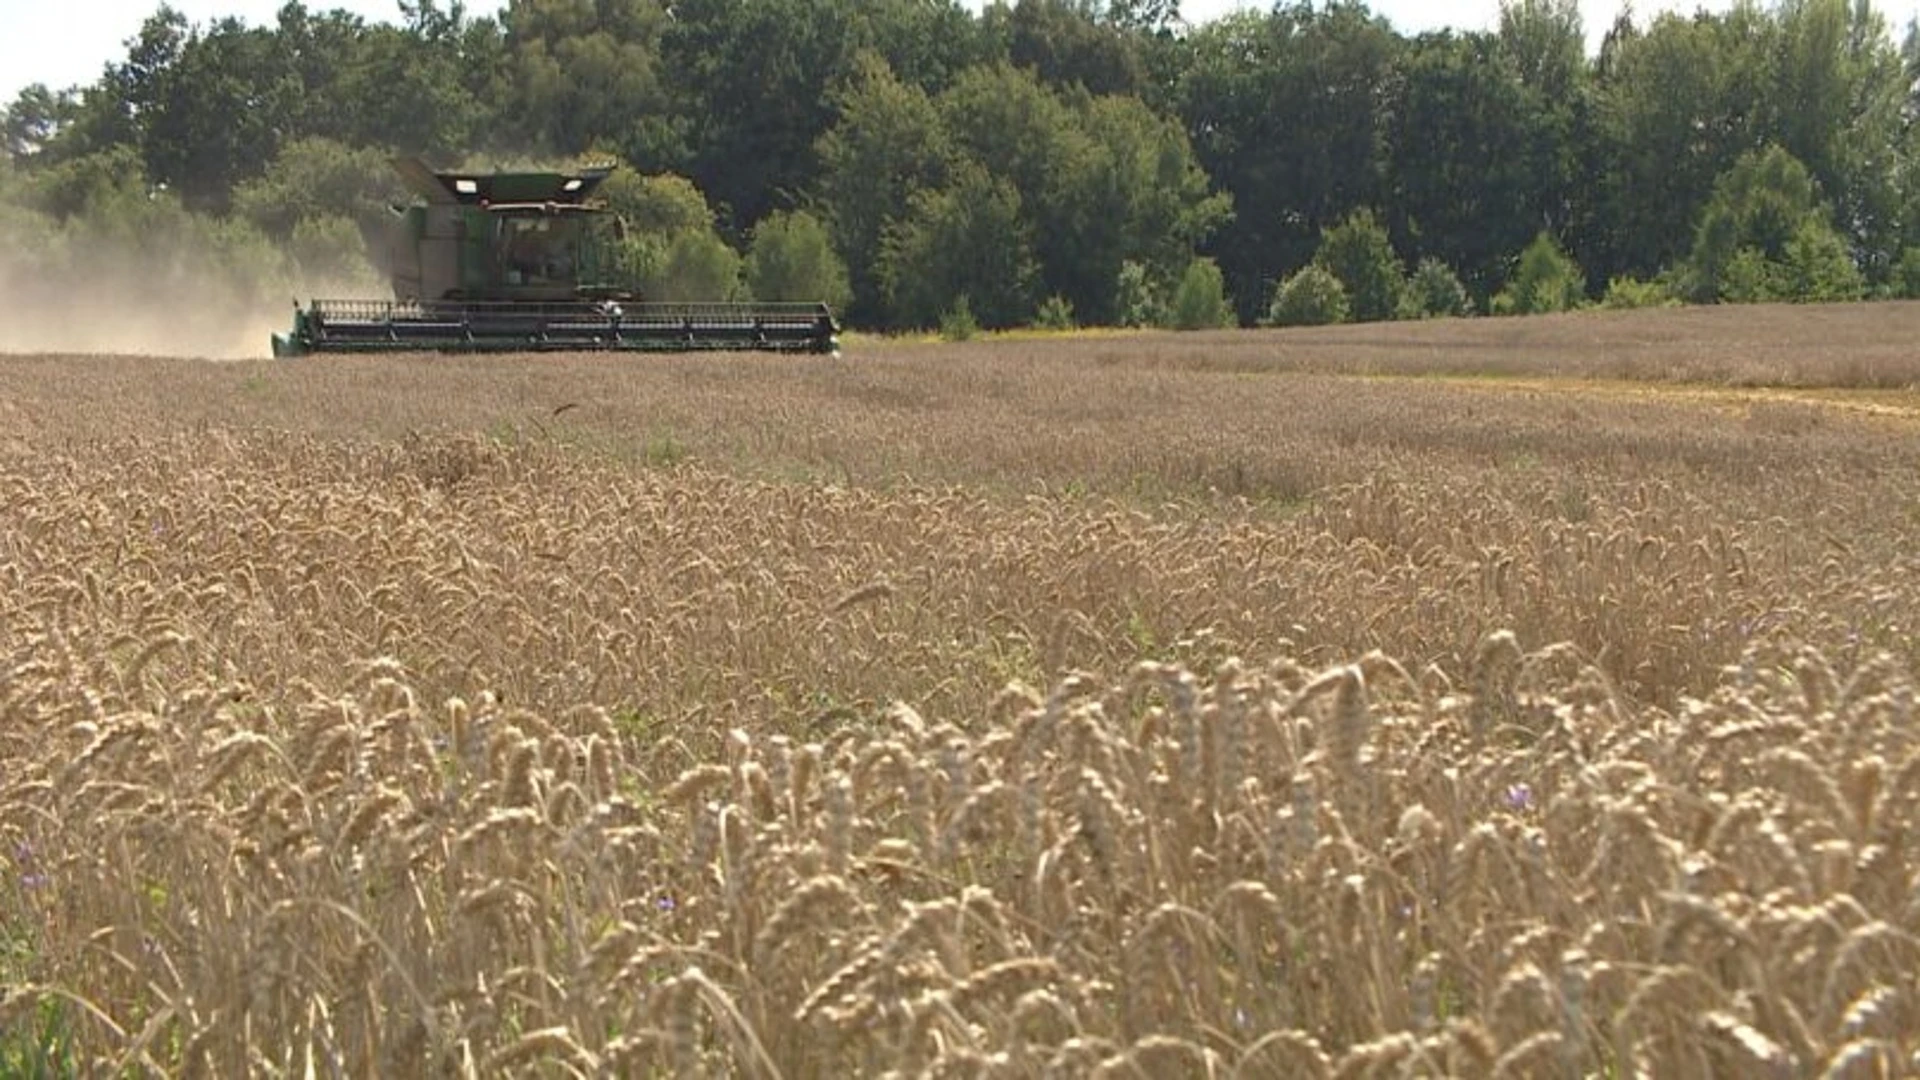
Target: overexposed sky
{"points": [[65, 44]]}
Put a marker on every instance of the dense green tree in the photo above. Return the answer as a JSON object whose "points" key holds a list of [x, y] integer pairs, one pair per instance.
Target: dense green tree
{"points": [[667, 218], [927, 43], [1312, 297], [793, 259], [966, 239], [35, 118], [1137, 296], [1434, 291], [1767, 235], [1142, 197], [1068, 44], [1838, 106], [1358, 254], [1545, 280], [1285, 111], [1200, 301], [1474, 158], [208, 111], [656, 204], [1084, 150], [1677, 105], [317, 178], [430, 89], [586, 73], [754, 79], [888, 143], [1102, 180], [697, 265], [83, 186]]}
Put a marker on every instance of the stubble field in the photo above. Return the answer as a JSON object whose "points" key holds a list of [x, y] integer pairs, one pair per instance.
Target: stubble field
{"points": [[1521, 697]]}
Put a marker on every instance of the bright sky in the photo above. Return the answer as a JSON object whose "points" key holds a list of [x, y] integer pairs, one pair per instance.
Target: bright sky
{"points": [[64, 44]]}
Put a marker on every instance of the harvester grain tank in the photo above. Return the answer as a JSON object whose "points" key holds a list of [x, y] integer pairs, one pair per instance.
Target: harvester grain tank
{"points": [[524, 262]]}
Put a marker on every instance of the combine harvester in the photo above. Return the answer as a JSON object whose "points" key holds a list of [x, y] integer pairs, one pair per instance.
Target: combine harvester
{"points": [[521, 262]]}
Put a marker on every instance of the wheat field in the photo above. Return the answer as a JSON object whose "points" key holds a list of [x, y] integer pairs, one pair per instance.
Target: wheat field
{"points": [[1341, 703]]}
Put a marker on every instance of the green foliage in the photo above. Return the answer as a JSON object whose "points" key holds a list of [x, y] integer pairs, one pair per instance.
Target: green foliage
{"points": [[1056, 313], [1819, 267], [1285, 108], [1906, 276], [316, 178], [696, 266], [669, 250], [661, 205], [1766, 236], [1101, 181], [1749, 277], [1043, 148], [30, 125], [1675, 105], [1434, 291], [793, 259], [1625, 293], [1467, 133], [1757, 205], [82, 185], [587, 74], [1136, 298], [1068, 46], [1358, 253], [1200, 301], [968, 238], [1546, 280], [888, 144], [957, 322], [40, 1042], [755, 82], [1312, 297]]}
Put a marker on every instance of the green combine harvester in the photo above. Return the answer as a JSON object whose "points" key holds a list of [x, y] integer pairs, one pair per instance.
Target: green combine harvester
{"points": [[521, 262]]}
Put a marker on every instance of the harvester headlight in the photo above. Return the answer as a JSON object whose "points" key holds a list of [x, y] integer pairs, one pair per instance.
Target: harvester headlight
{"points": [[571, 185], [467, 187]]}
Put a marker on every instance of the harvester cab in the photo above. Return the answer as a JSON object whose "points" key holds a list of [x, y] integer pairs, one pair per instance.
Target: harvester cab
{"points": [[519, 262]]}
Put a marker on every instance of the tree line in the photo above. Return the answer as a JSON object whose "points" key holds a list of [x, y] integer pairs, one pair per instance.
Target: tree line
{"points": [[1042, 161]]}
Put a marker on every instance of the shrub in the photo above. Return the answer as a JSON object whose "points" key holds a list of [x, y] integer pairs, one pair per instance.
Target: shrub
{"points": [[1312, 297], [1056, 313], [793, 259], [1435, 292], [1358, 252], [1136, 300], [1200, 303], [1749, 277], [958, 323], [697, 266], [1546, 280], [1819, 268], [1906, 275], [1628, 293]]}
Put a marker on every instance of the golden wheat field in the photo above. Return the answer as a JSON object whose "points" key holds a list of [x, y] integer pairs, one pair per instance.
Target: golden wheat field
{"points": [[1500, 698]]}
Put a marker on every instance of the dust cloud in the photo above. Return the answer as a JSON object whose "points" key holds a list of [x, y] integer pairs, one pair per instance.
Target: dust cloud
{"points": [[146, 304]]}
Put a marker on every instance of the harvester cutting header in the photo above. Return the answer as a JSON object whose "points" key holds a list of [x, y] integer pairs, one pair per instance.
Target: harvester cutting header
{"points": [[524, 262]]}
